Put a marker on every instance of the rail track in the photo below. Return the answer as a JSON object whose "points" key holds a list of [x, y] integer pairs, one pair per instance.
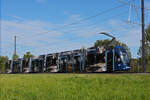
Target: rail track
{"points": [[86, 73]]}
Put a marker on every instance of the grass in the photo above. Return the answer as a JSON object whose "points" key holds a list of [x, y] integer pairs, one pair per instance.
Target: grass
{"points": [[74, 87]]}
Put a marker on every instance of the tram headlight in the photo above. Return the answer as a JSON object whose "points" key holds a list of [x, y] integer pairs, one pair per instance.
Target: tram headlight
{"points": [[119, 59]]}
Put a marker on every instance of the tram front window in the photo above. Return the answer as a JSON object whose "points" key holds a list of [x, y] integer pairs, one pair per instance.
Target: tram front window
{"points": [[125, 57]]}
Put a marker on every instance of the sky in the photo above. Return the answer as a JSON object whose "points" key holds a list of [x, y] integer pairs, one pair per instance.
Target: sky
{"points": [[45, 26]]}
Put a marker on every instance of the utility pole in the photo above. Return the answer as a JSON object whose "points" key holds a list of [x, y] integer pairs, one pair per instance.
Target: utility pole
{"points": [[143, 35], [15, 49]]}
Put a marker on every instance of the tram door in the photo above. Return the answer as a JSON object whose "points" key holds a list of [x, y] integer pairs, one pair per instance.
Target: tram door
{"points": [[109, 60]]}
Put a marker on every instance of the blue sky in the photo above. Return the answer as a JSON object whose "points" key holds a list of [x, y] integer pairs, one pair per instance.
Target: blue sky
{"points": [[41, 26]]}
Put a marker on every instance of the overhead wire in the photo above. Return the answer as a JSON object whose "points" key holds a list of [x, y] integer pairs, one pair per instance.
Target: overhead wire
{"points": [[133, 5], [85, 19], [82, 20], [94, 25]]}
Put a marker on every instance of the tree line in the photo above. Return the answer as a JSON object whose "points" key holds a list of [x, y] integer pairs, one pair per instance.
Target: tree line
{"points": [[147, 50], [4, 59]]}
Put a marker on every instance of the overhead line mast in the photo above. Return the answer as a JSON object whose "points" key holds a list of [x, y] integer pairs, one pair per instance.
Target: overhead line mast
{"points": [[143, 35], [15, 48]]}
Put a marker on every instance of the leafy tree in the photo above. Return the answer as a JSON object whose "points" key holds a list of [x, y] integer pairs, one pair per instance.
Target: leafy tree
{"points": [[28, 55], [115, 42], [147, 46], [148, 35], [3, 60], [15, 55], [101, 43]]}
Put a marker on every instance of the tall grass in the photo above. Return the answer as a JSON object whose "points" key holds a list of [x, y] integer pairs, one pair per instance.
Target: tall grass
{"points": [[74, 87]]}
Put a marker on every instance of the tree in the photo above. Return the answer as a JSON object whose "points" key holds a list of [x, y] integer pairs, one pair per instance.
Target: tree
{"points": [[115, 42], [3, 60], [28, 55], [15, 55], [148, 35], [147, 46], [101, 43]]}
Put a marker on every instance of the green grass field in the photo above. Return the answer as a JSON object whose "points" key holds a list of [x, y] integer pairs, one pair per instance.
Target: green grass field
{"points": [[74, 87]]}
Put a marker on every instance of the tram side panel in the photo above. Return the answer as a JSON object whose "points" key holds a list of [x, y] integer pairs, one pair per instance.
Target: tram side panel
{"points": [[95, 60], [51, 65]]}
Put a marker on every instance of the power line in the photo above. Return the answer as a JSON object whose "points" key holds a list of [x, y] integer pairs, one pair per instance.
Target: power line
{"points": [[94, 25], [100, 13], [126, 3], [90, 17], [85, 19], [135, 23]]}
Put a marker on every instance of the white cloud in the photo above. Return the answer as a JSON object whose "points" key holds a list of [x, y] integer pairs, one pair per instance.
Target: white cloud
{"points": [[132, 38], [41, 37], [26, 32], [16, 17], [127, 33]]}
